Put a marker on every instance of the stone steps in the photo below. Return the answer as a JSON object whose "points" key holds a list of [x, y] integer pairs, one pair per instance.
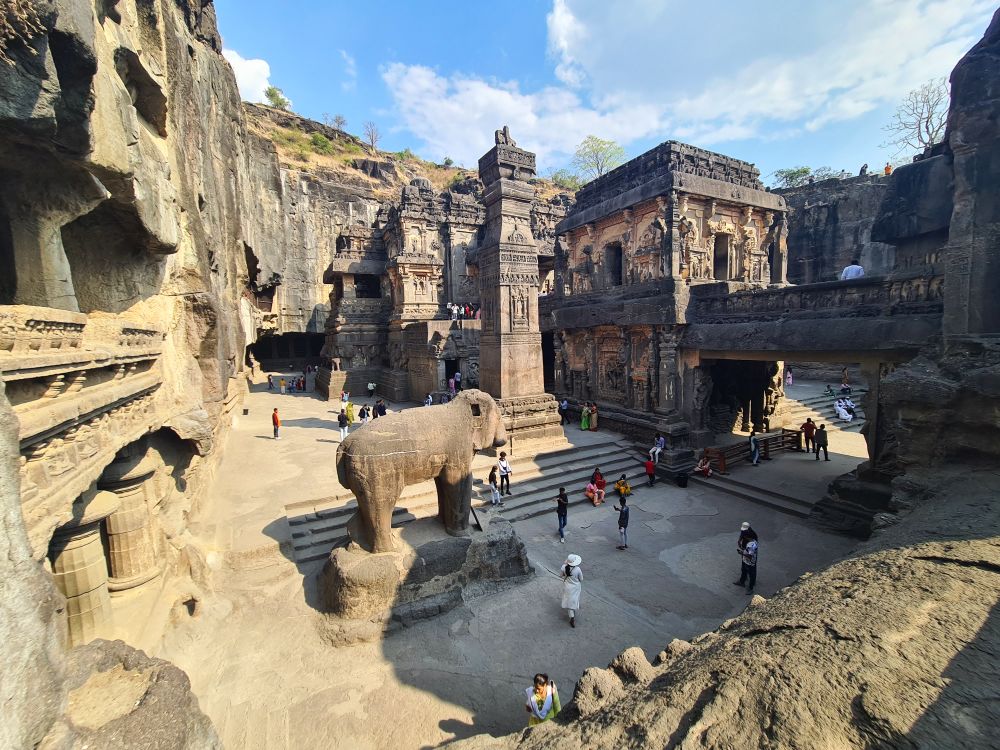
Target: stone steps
{"points": [[744, 491], [319, 526], [820, 408]]}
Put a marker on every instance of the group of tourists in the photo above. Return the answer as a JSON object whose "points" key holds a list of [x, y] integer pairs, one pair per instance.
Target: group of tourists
{"points": [[588, 416], [815, 438], [296, 384], [466, 311], [844, 407]]}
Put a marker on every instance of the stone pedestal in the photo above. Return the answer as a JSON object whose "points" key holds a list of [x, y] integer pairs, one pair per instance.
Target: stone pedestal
{"points": [[429, 574], [510, 351], [131, 548], [80, 570]]}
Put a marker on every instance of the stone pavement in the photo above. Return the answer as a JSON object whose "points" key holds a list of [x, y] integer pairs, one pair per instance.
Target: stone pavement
{"points": [[267, 679]]}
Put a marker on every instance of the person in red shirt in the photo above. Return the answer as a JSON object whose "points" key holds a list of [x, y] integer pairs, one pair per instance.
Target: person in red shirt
{"points": [[808, 430], [651, 472], [276, 423]]}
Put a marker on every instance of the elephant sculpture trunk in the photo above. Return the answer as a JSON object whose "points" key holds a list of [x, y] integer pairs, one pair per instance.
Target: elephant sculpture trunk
{"points": [[380, 459]]}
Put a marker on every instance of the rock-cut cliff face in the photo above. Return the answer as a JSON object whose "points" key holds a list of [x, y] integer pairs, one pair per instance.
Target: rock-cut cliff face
{"points": [[831, 224]]}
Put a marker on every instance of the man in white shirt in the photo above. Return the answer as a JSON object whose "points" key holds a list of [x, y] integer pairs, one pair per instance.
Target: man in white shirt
{"points": [[853, 271], [505, 473]]}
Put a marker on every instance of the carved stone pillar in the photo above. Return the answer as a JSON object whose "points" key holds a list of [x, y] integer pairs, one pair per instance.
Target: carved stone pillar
{"points": [[131, 549], [668, 341], [81, 570]]}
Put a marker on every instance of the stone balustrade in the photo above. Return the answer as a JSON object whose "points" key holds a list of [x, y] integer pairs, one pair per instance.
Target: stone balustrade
{"points": [[855, 298], [26, 328]]}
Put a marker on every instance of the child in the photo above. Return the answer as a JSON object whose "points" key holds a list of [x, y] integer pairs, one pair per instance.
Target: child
{"points": [[494, 488], [651, 472], [622, 487]]}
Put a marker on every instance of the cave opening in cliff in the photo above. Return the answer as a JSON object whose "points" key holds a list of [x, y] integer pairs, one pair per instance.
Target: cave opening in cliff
{"points": [[288, 350], [742, 396], [8, 269]]}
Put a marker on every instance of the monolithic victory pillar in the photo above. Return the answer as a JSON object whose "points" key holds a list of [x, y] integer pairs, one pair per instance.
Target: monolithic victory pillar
{"points": [[510, 354]]}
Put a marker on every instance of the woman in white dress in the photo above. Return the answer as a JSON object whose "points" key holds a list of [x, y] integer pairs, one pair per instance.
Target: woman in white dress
{"points": [[572, 586]]}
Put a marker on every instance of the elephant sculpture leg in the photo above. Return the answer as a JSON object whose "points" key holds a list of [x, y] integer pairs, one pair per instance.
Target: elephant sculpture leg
{"points": [[454, 490], [376, 517]]}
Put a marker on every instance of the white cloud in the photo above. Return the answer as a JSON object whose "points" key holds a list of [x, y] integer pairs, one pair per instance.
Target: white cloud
{"points": [[350, 71], [251, 75], [674, 70]]}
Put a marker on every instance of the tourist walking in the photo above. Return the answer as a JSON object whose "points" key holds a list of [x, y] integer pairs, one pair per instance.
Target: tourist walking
{"points": [[593, 417], [270, 383], [429, 400], [350, 413], [572, 587], [659, 443], [451, 385], [822, 440], [505, 472], [562, 510], [371, 391], [380, 409], [281, 385], [808, 429], [543, 700], [563, 412], [458, 380], [754, 448], [364, 414], [494, 489], [585, 416], [276, 423], [342, 423], [746, 546], [651, 471], [623, 523]]}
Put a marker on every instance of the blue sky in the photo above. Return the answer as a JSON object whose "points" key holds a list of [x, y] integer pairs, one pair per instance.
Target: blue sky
{"points": [[779, 83]]}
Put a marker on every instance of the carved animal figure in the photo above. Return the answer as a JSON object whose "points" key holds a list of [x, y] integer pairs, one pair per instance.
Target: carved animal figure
{"points": [[395, 451]]}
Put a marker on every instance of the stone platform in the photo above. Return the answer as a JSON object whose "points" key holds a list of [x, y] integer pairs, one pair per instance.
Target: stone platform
{"points": [[367, 595]]}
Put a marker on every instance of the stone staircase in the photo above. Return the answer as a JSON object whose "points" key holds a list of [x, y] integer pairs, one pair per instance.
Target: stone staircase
{"points": [[319, 526], [820, 408], [769, 498]]}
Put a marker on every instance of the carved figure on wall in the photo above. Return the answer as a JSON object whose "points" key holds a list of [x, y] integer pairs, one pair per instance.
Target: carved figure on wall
{"points": [[702, 391], [414, 446]]}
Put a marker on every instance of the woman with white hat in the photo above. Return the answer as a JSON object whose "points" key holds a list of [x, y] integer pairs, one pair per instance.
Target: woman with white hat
{"points": [[572, 586]]}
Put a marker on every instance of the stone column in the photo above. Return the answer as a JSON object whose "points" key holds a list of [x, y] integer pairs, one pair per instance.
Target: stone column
{"points": [[81, 570], [510, 355], [131, 549]]}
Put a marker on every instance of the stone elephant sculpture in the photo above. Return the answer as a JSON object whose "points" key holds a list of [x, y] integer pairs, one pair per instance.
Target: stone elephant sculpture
{"points": [[433, 442]]}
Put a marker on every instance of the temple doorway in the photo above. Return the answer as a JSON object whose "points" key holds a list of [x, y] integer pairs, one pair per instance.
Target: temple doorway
{"points": [[720, 258], [450, 368], [613, 257], [548, 361]]}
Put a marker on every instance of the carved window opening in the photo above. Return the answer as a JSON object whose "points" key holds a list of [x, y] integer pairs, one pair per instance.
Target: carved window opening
{"points": [[367, 286], [720, 257], [613, 263], [476, 412]]}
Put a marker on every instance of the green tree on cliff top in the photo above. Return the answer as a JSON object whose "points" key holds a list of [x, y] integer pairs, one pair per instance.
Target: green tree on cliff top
{"points": [[276, 98]]}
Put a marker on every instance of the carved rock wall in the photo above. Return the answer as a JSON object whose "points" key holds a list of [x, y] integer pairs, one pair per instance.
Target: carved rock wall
{"points": [[830, 223]]}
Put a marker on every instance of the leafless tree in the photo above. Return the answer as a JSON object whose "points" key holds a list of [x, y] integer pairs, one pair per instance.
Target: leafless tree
{"points": [[372, 135], [339, 122], [920, 120]]}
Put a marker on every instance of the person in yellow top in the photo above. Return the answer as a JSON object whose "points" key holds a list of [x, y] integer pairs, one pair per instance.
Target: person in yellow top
{"points": [[622, 486], [542, 700], [350, 412]]}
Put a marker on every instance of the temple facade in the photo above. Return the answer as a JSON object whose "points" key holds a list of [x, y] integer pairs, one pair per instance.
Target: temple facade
{"points": [[638, 247]]}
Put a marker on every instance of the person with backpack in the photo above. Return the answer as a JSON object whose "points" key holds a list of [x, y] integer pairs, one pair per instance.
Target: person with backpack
{"points": [[623, 523]]}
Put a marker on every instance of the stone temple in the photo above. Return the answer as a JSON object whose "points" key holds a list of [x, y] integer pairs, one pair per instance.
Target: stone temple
{"points": [[165, 248]]}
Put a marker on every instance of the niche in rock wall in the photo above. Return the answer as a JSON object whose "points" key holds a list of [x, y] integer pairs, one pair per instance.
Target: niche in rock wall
{"points": [[367, 286], [111, 269], [75, 69], [147, 96]]}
